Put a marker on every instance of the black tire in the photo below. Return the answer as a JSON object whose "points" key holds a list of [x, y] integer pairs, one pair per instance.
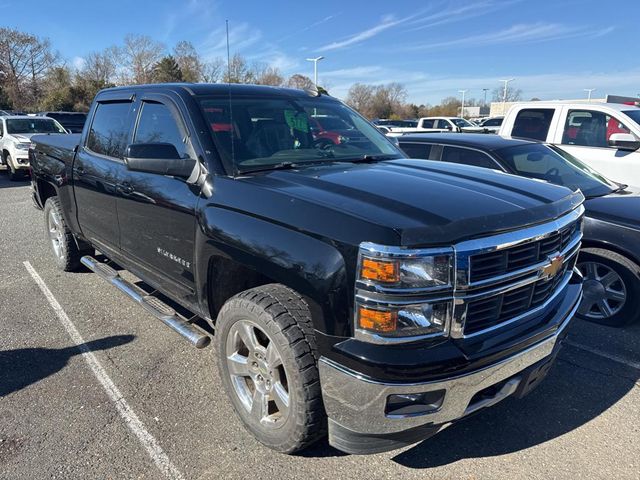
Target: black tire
{"points": [[284, 317], [624, 312], [68, 256]]}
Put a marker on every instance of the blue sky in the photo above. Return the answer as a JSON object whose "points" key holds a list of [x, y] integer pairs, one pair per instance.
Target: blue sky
{"points": [[554, 49]]}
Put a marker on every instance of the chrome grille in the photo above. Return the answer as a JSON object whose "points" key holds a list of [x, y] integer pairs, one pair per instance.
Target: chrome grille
{"points": [[491, 264], [492, 311], [511, 277]]}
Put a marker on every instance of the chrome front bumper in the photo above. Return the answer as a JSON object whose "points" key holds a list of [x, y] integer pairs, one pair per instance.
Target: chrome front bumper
{"points": [[356, 404]]}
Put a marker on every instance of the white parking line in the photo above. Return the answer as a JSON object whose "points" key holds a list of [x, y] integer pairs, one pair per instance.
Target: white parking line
{"points": [[601, 353], [130, 418]]}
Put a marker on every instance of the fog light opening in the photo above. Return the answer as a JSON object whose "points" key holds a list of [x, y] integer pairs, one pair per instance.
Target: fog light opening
{"points": [[414, 404]]}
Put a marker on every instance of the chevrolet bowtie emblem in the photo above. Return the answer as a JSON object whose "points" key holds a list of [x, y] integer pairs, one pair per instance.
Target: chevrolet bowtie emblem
{"points": [[554, 266]]}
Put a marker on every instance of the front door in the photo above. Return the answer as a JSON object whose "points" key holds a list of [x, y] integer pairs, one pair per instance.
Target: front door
{"points": [[97, 169], [157, 212], [586, 136]]}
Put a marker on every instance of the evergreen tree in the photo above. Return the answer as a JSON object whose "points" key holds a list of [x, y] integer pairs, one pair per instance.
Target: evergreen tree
{"points": [[167, 70]]}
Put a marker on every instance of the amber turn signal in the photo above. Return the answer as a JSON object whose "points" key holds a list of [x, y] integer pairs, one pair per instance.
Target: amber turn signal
{"points": [[380, 271], [377, 320]]}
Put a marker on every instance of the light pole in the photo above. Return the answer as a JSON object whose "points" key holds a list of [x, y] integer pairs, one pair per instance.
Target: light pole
{"points": [[485, 90], [315, 68], [462, 106], [504, 94], [589, 94]]}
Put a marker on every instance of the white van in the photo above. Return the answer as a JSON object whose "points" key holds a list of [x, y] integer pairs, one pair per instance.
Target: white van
{"points": [[605, 136]]}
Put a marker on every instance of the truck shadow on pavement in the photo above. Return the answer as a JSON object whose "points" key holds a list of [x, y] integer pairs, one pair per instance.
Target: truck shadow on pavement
{"points": [[25, 366], [577, 390]]}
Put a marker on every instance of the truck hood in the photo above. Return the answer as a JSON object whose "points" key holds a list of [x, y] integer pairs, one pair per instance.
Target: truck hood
{"points": [[22, 137], [423, 202]]}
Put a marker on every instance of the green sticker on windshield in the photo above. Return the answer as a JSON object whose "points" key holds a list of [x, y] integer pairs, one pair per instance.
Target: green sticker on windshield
{"points": [[297, 120]]}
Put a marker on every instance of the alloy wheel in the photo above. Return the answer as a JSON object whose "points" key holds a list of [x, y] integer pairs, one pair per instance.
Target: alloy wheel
{"points": [[56, 233], [257, 373], [604, 292]]}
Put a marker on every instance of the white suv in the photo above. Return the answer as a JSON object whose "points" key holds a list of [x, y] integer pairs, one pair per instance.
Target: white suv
{"points": [[15, 139], [605, 136]]}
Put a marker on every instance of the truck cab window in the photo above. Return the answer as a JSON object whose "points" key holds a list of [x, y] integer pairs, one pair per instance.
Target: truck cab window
{"points": [[158, 125], [427, 123], [110, 129], [591, 128], [468, 157], [533, 123]]}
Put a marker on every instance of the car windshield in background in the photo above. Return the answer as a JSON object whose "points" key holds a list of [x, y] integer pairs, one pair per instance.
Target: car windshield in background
{"points": [[556, 166], [633, 114], [33, 125], [260, 133], [461, 122]]}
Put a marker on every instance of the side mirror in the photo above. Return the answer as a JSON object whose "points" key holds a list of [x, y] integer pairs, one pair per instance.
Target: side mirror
{"points": [[158, 158], [449, 127], [624, 141]]}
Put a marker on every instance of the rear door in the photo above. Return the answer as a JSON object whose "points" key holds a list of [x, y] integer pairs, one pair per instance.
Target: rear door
{"points": [[157, 212], [585, 134], [97, 170]]}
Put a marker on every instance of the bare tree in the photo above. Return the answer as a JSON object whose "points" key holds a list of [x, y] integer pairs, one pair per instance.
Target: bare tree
{"points": [[359, 97], [189, 61], [102, 67], [24, 61], [300, 81], [238, 71], [513, 94], [140, 54], [266, 75], [213, 71]]}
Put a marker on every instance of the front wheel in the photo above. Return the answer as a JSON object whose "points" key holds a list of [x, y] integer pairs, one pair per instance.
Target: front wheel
{"points": [[13, 174], [611, 288], [268, 363]]}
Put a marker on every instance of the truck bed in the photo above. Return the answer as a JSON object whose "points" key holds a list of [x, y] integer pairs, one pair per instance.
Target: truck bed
{"points": [[57, 146]]}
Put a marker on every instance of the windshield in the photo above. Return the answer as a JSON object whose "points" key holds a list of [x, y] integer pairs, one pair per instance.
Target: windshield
{"points": [[556, 166], [633, 115], [259, 133], [33, 125], [461, 122]]}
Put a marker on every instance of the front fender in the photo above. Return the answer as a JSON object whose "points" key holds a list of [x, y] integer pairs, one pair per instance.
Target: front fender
{"points": [[308, 265]]}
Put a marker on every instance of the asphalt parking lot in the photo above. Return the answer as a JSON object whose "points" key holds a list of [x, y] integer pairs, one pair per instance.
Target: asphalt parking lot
{"points": [[136, 401]]}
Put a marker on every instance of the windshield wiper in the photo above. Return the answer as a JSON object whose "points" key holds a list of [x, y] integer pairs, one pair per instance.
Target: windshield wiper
{"points": [[275, 166], [371, 158]]}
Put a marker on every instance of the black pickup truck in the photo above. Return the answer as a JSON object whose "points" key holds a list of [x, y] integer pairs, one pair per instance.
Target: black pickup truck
{"points": [[352, 291]]}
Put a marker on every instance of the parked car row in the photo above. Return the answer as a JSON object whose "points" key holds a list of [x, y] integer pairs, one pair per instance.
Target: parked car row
{"points": [[605, 136]]}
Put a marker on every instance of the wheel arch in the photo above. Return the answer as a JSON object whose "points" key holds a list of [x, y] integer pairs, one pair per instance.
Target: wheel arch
{"points": [[235, 252], [603, 244]]}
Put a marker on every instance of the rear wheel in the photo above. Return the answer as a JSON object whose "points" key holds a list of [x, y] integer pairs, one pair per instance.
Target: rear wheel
{"points": [[63, 245], [268, 363], [611, 287]]}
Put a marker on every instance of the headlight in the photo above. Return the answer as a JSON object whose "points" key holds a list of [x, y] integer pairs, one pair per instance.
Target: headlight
{"points": [[392, 268], [403, 294], [23, 146], [403, 322]]}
